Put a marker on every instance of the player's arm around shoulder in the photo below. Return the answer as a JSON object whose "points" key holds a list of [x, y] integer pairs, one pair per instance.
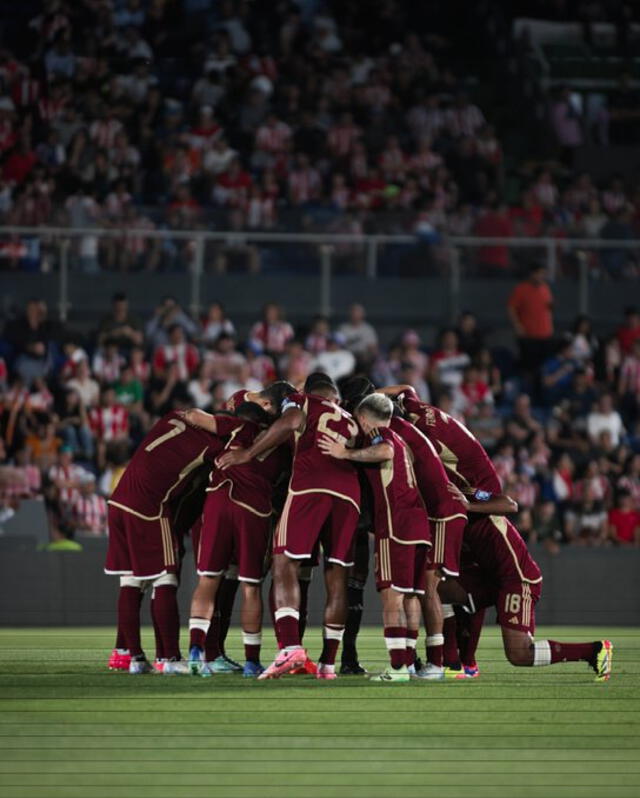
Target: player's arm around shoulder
{"points": [[482, 501], [291, 420], [379, 451], [200, 420]]}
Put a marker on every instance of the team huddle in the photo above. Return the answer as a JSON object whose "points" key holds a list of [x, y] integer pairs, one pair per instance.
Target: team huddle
{"points": [[287, 481]]}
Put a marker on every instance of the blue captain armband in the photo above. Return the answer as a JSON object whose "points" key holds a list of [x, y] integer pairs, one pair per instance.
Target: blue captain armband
{"points": [[482, 495], [287, 404], [378, 439]]}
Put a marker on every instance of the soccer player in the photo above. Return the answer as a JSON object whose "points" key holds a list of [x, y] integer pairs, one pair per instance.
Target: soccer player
{"points": [[142, 546], [322, 504], [447, 518], [508, 578], [236, 522], [401, 525]]}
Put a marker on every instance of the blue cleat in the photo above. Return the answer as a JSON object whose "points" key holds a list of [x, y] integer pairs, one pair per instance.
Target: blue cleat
{"points": [[252, 669], [197, 662]]}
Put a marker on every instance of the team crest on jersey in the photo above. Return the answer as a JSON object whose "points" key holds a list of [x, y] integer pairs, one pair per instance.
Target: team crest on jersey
{"points": [[429, 416]]}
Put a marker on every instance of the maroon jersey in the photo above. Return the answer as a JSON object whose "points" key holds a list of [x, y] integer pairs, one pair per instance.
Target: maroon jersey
{"points": [[163, 463], [235, 400], [430, 473], [251, 485], [467, 463], [399, 512], [313, 471], [496, 546]]}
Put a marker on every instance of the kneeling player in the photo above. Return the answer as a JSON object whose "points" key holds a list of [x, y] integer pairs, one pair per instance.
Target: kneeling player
{"points": [[401, 526], [508, 578]]}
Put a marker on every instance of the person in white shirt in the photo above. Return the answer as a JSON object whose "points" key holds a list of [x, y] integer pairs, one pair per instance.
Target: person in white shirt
{"points": [[336, 360], [360, 337], [604, 418]]}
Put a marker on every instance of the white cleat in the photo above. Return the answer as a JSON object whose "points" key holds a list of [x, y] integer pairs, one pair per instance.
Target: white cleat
{"points": [[178, 667], [139, 665], [430, 672]]}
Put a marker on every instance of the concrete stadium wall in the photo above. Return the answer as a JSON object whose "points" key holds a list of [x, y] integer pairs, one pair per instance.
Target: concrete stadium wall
{"points": [[581, 586]]}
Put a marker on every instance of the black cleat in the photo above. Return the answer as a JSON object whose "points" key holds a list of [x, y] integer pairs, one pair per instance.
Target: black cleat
{"points": [[352, 669]]}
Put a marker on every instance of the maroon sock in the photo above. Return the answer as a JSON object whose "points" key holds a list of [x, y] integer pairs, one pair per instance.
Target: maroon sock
{"points": [[435, 650], [212, 642], [450, 651], [331, 639], [304, 600], [252, 653], [395, 638], [224, 604], [197, 636], [469, 642], [572, 652], [120, 641], [156, 630], [129, 600], [167, 618], [410, 651], [287, 628]]}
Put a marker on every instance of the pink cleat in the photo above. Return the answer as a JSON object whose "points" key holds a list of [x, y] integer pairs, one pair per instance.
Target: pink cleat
{"points": [[326, 672], [119, 660], [287, 660]]}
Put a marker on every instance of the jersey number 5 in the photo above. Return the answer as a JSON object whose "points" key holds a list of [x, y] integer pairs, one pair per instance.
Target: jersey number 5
{"points": [[178, 427]]}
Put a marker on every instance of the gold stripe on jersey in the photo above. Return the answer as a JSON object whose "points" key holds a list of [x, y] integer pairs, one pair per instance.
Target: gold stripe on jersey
{"points": [[245, 506], [386, 477], [501, 524], [446, 518], [329, 492], [385, 561], [167, 542], [450, 461], [195, 463], [526, 604]]}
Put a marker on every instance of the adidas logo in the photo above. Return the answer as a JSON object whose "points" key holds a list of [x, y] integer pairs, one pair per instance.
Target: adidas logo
{"points": [[513, 620]]}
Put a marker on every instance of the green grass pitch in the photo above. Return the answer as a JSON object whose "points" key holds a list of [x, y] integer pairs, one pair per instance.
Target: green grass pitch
{"points": [[71, 729]]}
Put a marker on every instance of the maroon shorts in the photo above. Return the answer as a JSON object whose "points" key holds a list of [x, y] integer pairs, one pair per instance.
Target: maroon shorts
{"points": [[446, 534], [232, 534], [514, 601], [401, 566], [516, 605], [309, 517], [139, 547]]}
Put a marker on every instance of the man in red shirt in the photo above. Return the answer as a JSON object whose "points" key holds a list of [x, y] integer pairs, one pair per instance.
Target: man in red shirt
{"points": [[624, 521], [530, 309], [494, 223], [630, 330]]}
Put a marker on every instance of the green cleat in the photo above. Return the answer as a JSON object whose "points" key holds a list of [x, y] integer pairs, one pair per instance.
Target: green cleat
{"points": [[604, 661], [392, 675]]}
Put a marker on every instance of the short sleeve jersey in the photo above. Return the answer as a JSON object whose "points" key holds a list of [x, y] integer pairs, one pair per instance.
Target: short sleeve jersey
{"points": [[496, 545], [164, 462], [430, 473], [251, 484], [467, 463], [235, 400], [313, 471], [399, 511]]}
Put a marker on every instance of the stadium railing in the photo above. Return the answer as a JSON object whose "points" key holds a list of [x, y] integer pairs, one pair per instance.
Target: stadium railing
{"points": [[57, 252]]}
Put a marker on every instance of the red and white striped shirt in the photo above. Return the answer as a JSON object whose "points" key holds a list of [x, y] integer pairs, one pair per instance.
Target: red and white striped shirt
{"points": [[304, 185], [271, 337], [107, 368], [104, 132], [630, 375], [342, 138], [184, 355], [109, 423], [25, 91], [71, 475], [273, 138], [89, 514]]}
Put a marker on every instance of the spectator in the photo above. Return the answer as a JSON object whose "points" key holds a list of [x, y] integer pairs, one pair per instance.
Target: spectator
{"points": [[605, 418], [586, 522], [84, 385], [272, 333], [530, 310], [216, 323], [336, 361], [360, 336], [629, 332], [448, 362], [88, 510], [558, 373], [73, 424], [493, 222], [179, 352], [120, 325], [624, 522]]}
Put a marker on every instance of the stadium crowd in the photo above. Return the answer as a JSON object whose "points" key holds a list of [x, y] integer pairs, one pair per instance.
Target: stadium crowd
{"points": [[122, 114], [563, 430]]}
